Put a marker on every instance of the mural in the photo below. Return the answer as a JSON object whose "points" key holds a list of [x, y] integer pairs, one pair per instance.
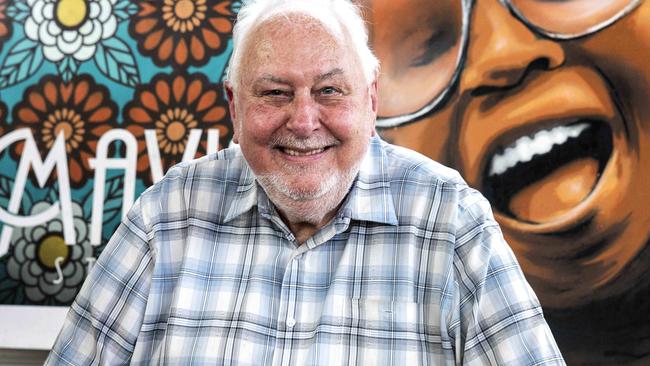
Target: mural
{"points": [[541, 105], [97, 99]]}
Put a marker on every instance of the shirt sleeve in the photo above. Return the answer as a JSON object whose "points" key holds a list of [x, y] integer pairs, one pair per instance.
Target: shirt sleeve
{"points": [[103, 322], [500, 318]]}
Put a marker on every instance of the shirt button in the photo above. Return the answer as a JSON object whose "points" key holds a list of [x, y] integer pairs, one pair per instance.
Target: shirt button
{"points": [[291, 322]]}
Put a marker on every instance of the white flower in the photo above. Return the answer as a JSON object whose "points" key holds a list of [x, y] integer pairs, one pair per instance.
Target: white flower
{"points": [[70, 27], [38, 251]]}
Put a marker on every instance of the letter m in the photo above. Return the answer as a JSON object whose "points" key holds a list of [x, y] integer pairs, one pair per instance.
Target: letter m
{"points": [[31, 157]]}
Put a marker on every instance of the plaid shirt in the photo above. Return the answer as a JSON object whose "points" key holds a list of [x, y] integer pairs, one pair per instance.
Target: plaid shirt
{"points": [[412, 270]]}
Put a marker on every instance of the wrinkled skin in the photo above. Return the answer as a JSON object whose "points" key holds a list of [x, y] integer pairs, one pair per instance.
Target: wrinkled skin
{"points": [[303, 114], [576, 217]]}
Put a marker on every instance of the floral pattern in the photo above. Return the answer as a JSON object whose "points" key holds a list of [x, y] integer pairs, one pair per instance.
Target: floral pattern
{"points": [[182, 32], [172, 106], [80, 69], [70, 27], [39, 250], [81, 110]]}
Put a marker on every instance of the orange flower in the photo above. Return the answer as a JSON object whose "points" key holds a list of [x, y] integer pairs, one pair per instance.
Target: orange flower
{"points": [[182, 32], [172, 106], [5, 27], [82, 110]]}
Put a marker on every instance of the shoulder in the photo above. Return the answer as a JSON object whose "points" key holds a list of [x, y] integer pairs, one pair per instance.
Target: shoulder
{"points": [[211, 178], [415, 178], [404, 162], [224, 166]]}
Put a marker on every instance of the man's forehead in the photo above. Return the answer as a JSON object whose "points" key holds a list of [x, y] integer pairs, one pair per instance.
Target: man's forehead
{"points": [[307, 23], [304, 30], [309, 31], [283, 48], [318, 77]]}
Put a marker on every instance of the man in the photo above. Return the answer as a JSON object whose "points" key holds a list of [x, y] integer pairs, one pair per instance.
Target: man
{"points": [[543, 107], [314, 242]]}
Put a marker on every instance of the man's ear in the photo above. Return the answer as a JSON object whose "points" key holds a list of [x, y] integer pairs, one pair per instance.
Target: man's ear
{"points": [[374, 95], [374, 104], [230, 95]]}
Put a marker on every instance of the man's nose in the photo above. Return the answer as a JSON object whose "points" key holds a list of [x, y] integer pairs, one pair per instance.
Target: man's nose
{"points": [[502, 50], [304, 115]]}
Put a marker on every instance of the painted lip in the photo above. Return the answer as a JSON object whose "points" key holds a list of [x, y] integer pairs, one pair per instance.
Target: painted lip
{"points": [[522, 159], [549, 101], [525, 148]]}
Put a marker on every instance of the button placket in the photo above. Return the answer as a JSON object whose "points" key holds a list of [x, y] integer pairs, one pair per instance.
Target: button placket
{"points": [[287, 308], [291, 306]]}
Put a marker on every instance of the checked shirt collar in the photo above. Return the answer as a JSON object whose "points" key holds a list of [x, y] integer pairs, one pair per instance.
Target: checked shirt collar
{"points": [[369, 199]]}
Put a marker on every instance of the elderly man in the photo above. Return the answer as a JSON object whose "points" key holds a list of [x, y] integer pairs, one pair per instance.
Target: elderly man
{"points": [[313, 242]]}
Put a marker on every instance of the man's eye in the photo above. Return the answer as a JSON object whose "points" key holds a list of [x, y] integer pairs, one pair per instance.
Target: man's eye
{"points": [[274, 93], [329, 90]]}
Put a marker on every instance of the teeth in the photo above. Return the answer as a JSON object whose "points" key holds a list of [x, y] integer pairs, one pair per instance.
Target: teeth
{"points": [[526, 147], [301, 153]]}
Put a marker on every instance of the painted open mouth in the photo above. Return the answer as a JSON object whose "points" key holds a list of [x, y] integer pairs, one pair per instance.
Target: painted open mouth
{"points": [[534, 168]]}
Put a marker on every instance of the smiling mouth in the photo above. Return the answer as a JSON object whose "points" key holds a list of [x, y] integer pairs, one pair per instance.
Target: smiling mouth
{"points": [[301, 152], [550, 169]]}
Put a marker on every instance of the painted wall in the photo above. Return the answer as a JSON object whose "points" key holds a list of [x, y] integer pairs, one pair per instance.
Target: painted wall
{"points": [[542, 106], [98, 98]]}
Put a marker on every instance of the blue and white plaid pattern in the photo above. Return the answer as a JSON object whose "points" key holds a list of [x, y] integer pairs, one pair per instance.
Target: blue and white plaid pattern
{"points": [[413, 270]]}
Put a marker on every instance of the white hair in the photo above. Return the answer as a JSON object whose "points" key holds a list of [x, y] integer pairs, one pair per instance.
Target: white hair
{"points": [[342, 18]]}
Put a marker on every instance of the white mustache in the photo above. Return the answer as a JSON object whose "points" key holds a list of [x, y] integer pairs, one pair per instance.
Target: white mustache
{"points": [[310, 143]]}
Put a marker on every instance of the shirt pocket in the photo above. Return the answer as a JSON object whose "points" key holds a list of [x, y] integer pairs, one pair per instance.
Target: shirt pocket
{"points": [[385, 319], [386, 333], [379, 332]]}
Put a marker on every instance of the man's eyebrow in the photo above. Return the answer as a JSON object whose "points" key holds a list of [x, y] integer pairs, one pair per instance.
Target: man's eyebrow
{"points": [[329, 74], [271, 78], [274, 79]]}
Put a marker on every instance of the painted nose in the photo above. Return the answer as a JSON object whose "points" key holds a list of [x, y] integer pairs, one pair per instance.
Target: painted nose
{"points": [[304, 116], [502, 50]]}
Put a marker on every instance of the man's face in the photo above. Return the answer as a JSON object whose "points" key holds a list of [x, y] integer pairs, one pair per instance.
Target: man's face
{"points": [[303, 114], [556, 135]]}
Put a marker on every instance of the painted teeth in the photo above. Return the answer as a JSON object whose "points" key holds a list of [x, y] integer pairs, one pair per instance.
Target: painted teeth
{"points": [[300, 153], [526, 147]]}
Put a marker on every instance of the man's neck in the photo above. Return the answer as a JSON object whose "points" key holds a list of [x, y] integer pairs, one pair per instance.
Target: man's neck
{"points": [[302, 230]]}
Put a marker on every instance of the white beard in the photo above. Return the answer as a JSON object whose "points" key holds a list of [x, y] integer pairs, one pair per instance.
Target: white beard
{"points": [[308, 205]]}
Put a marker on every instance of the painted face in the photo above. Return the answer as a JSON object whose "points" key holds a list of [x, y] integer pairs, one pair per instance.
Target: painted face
{"points": [[554, 132], [303, 115]]}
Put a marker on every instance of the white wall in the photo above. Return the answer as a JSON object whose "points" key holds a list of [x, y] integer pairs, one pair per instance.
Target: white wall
{"points": [[27, 333]]}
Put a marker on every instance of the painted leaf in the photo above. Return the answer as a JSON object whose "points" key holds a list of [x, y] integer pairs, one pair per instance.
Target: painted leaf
{"points": [[6, 285], [5, 190], [115, 60], [18, 12], [113, 198], [22, 61], [68, 68], [124, 9]]}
